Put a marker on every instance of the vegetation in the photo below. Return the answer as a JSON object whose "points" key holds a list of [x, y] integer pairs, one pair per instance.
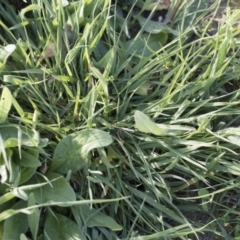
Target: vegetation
{"points": [[115, 126]]}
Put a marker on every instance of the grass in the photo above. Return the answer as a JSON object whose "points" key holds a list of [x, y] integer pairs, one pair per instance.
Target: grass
{"points": [[108, 133]]}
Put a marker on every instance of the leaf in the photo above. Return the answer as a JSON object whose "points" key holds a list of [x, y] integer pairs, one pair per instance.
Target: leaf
{"points": [[1, 230], [26, 174], [41, 237], [144, 89], [62, 228], [94, 218], [144, 124], [23, 237], [203, 193], [6, 51], [5, 104], [90, 5], [108, 62], [15, 80], [3, 173], [27, 159], [161, 207], [58, 190], [29, 8], [146, 44], [13, 136], [230, 167], [6, 198], [13, 168], [72, 151], [154, 4], [194, 10], [78, 15], [15, 225], [33, 218], [155, 27]]}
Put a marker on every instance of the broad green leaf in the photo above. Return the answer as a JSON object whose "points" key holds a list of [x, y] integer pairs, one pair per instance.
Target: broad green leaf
{"points": [[6, 197], [144, 124], [100, 51], [5, 104], [90, 5], [3, 189], [15, 225], [155, 27], [146, 44], [23, 237], [203, 192], [194, 10], [56, 191], [19, 193], [33, 218], [94, 218], [108, 62], [13, 136], [143, 89], [3, 173], [60, 227], [41, 237], [7, 205], [27, 159], [13, 170], [26, 174], [72, 152], [5, 52]]}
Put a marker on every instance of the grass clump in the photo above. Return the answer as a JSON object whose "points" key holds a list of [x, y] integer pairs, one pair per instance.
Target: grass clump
{"points": [[116, 126]]}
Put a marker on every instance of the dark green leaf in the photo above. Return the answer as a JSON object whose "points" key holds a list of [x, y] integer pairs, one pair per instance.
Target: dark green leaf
{"points": [[146, 44], [28, 158], [62, 228], [72, 152], [13, 136], [26, 174], [155, 27], [33, 218], [95, 218], [58, 191], [15, 225]]}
